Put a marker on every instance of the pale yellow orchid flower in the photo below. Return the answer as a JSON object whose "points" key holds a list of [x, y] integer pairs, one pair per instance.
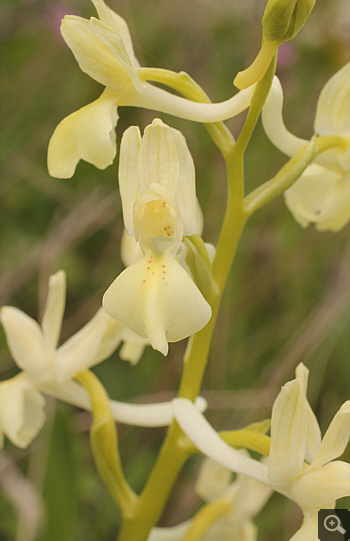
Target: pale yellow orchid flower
{"points": [[155, 297], [49, 369], [300, 466], [104, 50], [322, 194]]}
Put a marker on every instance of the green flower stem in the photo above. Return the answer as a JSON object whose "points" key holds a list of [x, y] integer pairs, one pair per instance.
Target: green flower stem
{"points": [[152, 500], [104, 444], [247, 439], [175, 451], [206, 517]]}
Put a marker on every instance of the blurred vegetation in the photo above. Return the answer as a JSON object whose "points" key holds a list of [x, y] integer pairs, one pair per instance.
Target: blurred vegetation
{"points": [[287, 297]]}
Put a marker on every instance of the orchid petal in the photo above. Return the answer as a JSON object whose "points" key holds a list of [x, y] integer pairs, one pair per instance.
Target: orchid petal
{"points": [[21, 410], [93, 56], [314, 432], [273, 123], [320, 196], [116, 23], [156, 298], [86, 134], [116, 45], [111, 338], [336, 438], [54, 309], [186, 188], [333, 106], [25, 341], [158, 158], [319, 488], [128, 174], [289, 425], [81, 350], [151, 415], [207, 440]]}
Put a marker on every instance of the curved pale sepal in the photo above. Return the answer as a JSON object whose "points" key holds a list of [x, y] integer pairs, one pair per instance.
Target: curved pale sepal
{"points": [[21, 410], [156, 298], [273, 123], [87, 134]]}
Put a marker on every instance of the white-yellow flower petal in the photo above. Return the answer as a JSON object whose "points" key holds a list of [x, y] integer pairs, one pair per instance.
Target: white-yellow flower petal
{"points": [[333, 106], [336, 438], [81, 350], [54, 309], [87, 134], [158, 161], [156, 298], [320, 196], [314, 432], [115, 44], [93, 56], [21, 410], [116, 23], [128, 174], [289, 425], [320, 488], [25, 341]]}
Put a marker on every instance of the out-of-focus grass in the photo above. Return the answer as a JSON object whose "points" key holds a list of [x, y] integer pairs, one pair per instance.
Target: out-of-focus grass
{"points": [[287, 297]]}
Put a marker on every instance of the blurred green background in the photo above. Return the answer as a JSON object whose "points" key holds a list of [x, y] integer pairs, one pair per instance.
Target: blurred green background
{"points": [[287, 297]]}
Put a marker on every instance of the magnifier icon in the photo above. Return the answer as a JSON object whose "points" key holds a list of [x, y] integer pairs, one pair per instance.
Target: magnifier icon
{"points": [[332, 524]]}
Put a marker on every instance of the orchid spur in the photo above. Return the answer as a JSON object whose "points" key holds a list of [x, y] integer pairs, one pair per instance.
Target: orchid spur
{"points": [[155, 297], [300, 466], [104, 50], [322, 193], [50, 370]]}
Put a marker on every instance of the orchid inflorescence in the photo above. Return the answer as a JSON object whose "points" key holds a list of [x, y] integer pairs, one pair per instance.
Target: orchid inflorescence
{"points": [[173, 282]]}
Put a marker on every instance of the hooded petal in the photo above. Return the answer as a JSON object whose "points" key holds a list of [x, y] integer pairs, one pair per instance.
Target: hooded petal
{"points": [[116, 23], [320, 196], [158, 159], [21, 410], [93, 56], [289, 426], [207, 440], [273, 123], [128, 174], [333, 106], [321, 487], [336, 438], [25, 341], [81, 350], [87, 134], [116, 45], [156, 298], [54, 309]]}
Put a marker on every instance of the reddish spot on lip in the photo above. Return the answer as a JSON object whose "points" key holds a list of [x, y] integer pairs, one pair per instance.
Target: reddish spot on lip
{"points": [[148, 268]]}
